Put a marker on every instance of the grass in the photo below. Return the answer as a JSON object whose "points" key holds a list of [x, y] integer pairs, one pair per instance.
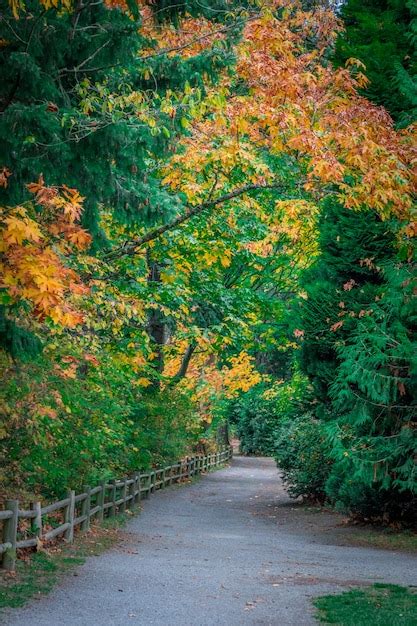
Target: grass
{"points": [[39, 573], [379, 605]]}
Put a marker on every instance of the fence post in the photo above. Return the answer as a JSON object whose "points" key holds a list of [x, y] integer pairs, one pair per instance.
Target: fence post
{"points": [[124, 494], [112, 509], [131, 491], [101, 499], [153, 481], [69, 517], [36, 522], [10, 535], [85, 508], [138, 496], [147, 486], [136, 489]]}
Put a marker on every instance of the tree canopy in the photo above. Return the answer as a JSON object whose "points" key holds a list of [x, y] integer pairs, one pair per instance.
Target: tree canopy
{"points": [[200, 207]]}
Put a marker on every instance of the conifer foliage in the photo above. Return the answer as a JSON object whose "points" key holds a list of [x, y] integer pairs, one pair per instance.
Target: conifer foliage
{"points": [[383, 35]]}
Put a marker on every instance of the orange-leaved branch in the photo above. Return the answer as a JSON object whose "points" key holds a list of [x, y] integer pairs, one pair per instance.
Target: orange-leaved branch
{"points": [[36, 240]]}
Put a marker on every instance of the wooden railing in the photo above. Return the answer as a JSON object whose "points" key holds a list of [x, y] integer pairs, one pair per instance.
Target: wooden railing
{"points": [[44, 523]]}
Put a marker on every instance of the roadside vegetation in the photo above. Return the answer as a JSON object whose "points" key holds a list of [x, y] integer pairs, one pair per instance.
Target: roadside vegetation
{"points": [[379, 605], [208, 219]]}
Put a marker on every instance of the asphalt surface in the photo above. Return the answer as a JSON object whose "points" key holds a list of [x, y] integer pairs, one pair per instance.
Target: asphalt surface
{"points": [[230, 549]]}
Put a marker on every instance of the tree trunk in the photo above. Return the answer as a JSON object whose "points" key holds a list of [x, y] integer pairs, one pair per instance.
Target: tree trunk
{"points": [[156, 323]]}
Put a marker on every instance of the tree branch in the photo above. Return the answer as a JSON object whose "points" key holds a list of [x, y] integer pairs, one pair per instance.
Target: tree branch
{"points": [[185, 362], [129, 247]]}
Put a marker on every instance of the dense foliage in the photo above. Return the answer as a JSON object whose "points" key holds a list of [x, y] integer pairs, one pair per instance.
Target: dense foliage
{"points": [[204, 220], [383, 35]]}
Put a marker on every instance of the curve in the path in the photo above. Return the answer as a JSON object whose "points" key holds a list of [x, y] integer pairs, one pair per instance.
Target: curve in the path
{"points": [[231, 549]]}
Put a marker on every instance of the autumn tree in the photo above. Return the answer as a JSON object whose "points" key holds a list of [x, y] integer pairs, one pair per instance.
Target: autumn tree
{"points": [[206, 145]]}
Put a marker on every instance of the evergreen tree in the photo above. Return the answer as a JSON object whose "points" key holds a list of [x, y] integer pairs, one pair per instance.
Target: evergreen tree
{"points": [[342, 282], [359, 347], [383, 35], [80, 105], [86, 102]]}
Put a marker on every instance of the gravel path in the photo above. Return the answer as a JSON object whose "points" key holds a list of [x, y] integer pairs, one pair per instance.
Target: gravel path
{"points": [[231, 549]]}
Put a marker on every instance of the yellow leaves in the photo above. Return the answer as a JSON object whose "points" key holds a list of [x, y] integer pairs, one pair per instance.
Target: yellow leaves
{"points": [[32, 267], [144, 382], [241, 375], [19, 228], [214, 256], [19, 6], [355, 62], [168, 277]]}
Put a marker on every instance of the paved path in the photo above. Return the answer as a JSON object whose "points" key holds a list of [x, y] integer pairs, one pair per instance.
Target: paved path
{"points": [[230, 550]]}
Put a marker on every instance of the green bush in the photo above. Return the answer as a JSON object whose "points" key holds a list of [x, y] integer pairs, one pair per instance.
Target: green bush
{"points": [[256, 418], [302, 452], [259, 413], [58, 433]]}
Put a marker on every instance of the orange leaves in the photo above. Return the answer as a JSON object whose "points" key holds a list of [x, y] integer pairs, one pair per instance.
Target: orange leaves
{"points": [[194, 36], [33, 247], [59, 201], [298, 105], [5, 173], [79, 238]]}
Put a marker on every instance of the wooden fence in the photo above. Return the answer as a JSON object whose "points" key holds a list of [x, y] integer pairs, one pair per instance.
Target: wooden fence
{"points": [[77, 510]]}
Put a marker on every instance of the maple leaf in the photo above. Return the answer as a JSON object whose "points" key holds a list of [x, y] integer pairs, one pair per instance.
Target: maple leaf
{"points": [[19, 229], [80, 238]]}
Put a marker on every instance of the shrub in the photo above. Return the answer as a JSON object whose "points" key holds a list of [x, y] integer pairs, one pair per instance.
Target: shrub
{"points": [[302, 452]]}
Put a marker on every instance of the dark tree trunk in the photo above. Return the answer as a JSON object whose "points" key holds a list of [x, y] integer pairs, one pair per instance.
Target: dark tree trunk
{"points": [[156, 323]]}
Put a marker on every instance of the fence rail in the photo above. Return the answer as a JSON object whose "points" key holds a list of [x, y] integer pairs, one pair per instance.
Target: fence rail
{"points": [[104, 500]]}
